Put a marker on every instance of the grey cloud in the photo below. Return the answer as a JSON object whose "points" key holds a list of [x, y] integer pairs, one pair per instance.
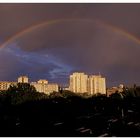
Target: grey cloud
{"points": [[73, 45], [15, 62], [88, 47]]}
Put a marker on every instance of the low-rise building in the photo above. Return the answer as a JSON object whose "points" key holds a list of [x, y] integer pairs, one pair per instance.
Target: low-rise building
{"points": [[39, 86], [45, 87], [113, 90], [53, 87], [42, 81], [4, 85]]}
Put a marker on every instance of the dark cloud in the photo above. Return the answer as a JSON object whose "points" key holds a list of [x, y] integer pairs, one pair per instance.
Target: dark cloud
{"points": [[84, 43], [34, 65]]}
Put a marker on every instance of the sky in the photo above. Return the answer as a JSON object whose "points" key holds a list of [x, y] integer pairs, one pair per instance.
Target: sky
{"points": [[51, 41]]}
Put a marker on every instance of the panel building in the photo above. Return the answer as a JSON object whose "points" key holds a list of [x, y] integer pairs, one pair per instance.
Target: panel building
{"points": [[4, 85], [23, 79], [78, 82], [45, 87], [96, 84], [52, 87], [41, 85], [82, 83]]}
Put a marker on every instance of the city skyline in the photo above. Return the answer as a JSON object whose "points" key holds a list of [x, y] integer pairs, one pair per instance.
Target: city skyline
{"points": [[42, 85], [51, 41], [27, 79], [78, 83], [66, 85]]}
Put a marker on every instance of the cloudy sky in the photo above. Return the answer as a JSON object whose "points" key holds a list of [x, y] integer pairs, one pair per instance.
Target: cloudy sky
{"points": [[51, 41]]}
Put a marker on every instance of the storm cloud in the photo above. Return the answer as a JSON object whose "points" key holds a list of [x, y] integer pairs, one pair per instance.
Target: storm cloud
{"points": [[82, 41]]}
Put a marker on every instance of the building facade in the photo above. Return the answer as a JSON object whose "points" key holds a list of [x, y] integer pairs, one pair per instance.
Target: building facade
{"points": [[96, 84], [42, 81], [78, 82], [52, 87], [41, 85], [4, 85], [23, 79], [82, 83], [113, 90], [45, 87]]}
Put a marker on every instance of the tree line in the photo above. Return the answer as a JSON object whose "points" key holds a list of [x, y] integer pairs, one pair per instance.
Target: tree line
{"points": [[37, 112]]}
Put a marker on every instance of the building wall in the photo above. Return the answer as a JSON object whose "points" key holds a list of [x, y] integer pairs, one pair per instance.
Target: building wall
{"points": [[23, 79], [78, 82], [42, 81], [39, 86], [4, 85], [51, 88], [96, 84], [113, 90], [45, 88], [81, 83]]}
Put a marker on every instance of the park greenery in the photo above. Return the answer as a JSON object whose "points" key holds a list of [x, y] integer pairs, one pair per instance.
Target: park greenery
{"points": [[26, 112]]}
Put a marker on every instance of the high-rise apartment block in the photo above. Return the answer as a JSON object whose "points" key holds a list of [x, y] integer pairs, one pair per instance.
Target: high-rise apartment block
{"points": [[96, 84], [78, 82], [82, 83], [23, 79]]}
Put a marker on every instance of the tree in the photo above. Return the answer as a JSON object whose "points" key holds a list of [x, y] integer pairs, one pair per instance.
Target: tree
{"points": [[22, 88], [68, 94], [22, 92]]}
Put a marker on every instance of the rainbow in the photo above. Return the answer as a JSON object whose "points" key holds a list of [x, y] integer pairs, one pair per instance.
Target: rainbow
{"points": [[125, 33], [47, 23]]}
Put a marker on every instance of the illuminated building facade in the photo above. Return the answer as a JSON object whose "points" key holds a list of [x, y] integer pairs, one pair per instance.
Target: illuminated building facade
{"points": [[82, 83], [96, 84], [23, 79], [4, 85], [78, 82], [45, 87]]}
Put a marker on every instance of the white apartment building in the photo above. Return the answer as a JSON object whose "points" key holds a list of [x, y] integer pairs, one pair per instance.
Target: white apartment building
{"points": [[82, 83], [42, 81], [78, 82], [4, 85], [45, 87], [96, 84], [53, 87], [23, 79], [39, 87]]}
